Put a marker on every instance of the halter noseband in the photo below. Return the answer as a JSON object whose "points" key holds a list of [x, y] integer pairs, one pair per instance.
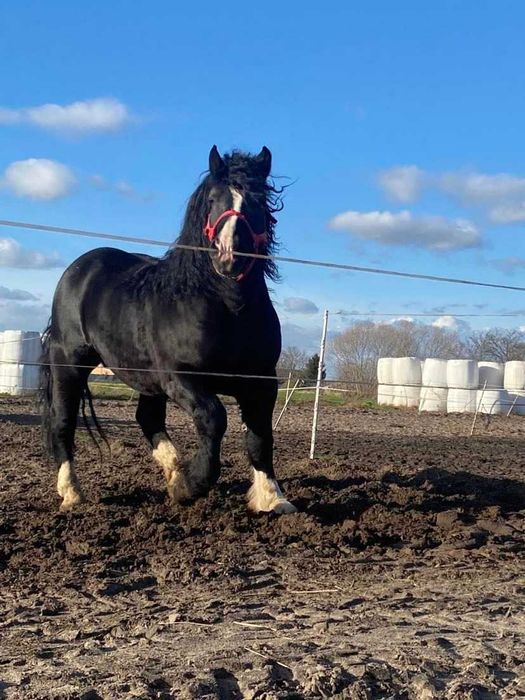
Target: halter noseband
{"points": [[259, 239]]}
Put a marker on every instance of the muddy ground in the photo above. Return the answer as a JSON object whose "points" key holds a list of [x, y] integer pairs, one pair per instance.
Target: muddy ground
{"points": [[402, 576]]}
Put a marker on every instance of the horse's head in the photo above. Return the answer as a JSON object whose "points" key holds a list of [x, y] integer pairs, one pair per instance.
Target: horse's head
{"points": [[237, 218]]}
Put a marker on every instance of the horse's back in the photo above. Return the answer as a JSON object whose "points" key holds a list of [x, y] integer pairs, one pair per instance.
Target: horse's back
{"points": [[90, 278]]}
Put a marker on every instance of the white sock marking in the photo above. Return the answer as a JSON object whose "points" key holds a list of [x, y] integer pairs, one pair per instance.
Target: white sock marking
{"points": [[265, 495], [165, 453], [68, 486]]}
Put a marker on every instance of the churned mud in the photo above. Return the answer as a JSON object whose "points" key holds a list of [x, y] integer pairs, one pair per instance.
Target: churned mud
{"points": [[402, 576]]}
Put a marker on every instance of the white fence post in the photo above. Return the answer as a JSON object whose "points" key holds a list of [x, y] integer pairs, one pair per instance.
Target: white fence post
{"points": [[318, 384], [288, 399]]}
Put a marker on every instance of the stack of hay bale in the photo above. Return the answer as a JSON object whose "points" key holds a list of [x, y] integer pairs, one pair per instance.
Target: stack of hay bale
{"points": [[18, 350], [452, 386]]}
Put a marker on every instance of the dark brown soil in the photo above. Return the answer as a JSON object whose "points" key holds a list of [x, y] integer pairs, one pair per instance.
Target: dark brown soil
{"points": [[402, 576]]}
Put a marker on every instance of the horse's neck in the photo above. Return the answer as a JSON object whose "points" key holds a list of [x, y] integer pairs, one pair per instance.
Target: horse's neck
{"points": [[187, 275], [249, 294]]}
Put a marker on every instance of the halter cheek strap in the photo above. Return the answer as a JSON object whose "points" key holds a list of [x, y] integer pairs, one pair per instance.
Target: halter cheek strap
{"points": [[259, 239]]}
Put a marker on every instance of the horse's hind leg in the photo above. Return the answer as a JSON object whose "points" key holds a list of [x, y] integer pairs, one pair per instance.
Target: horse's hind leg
{"points": [[67, 383], [257, 409], [151, 416]]}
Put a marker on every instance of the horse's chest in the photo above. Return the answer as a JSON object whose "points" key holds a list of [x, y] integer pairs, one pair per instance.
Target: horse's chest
{"points": [[222, 340]]}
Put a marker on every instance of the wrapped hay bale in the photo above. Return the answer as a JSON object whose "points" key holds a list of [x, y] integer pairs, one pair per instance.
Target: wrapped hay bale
{"points": [[492, 401], [434, 386], [514, 383], [406, 379], [462, 374], [491, 374], [384, 381], [461, 400]]}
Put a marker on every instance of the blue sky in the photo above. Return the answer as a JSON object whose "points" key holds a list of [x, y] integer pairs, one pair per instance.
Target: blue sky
{"points": [[400, 125]]}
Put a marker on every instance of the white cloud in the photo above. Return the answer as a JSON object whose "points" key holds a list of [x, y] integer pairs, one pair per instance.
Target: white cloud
{"points": [[13, 255], [403, 229], [502, 195], [307, 339], [510, 264], [509, 213], [121, 187], [451, 323], [398, 319], [16, 294], [446, 322], [298, 305], [25, 317], [38, 178], [480, 189], [96, 115], [403, 183]]}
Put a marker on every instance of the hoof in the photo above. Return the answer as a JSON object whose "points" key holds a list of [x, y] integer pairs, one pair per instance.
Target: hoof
{"points": [[265, 496], [280, 507], [68, 487], [178, 489], [71, 498], [284, 507]]}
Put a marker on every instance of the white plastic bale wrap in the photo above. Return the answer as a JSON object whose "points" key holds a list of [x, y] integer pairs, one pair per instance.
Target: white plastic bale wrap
{"points": [[433, 399], [384, 370], [492, 374], [434, 373], [461, 400], [462, 374], [384, 381], [514, 375], [20, 347], [406, 371], [406, 396], [514, 382], [18, 350], [406, 378], [3, 386], [492, 401], [18, 379], [385, 395]]}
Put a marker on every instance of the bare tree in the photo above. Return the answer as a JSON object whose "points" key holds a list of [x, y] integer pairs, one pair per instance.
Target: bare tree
{"points": [[292, 360], [357, 349], [497, 344]]}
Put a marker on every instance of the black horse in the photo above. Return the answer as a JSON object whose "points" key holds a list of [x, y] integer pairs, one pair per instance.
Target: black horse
{"points": [[166, 326]]}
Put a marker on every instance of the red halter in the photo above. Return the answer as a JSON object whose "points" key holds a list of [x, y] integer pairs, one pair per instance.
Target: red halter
{"points": [[259, 239]]}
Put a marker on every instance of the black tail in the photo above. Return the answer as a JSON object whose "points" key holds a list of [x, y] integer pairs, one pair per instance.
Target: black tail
{"points": [[86, 394], [45, 390]]}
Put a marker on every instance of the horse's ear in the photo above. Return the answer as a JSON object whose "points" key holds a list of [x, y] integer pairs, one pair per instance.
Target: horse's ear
{"points": [[264, 160], [217, 167]]}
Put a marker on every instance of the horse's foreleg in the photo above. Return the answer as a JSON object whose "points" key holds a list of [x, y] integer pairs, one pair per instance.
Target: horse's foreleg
{"points": [[202, 471], [151, 416], [257, 408]]}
